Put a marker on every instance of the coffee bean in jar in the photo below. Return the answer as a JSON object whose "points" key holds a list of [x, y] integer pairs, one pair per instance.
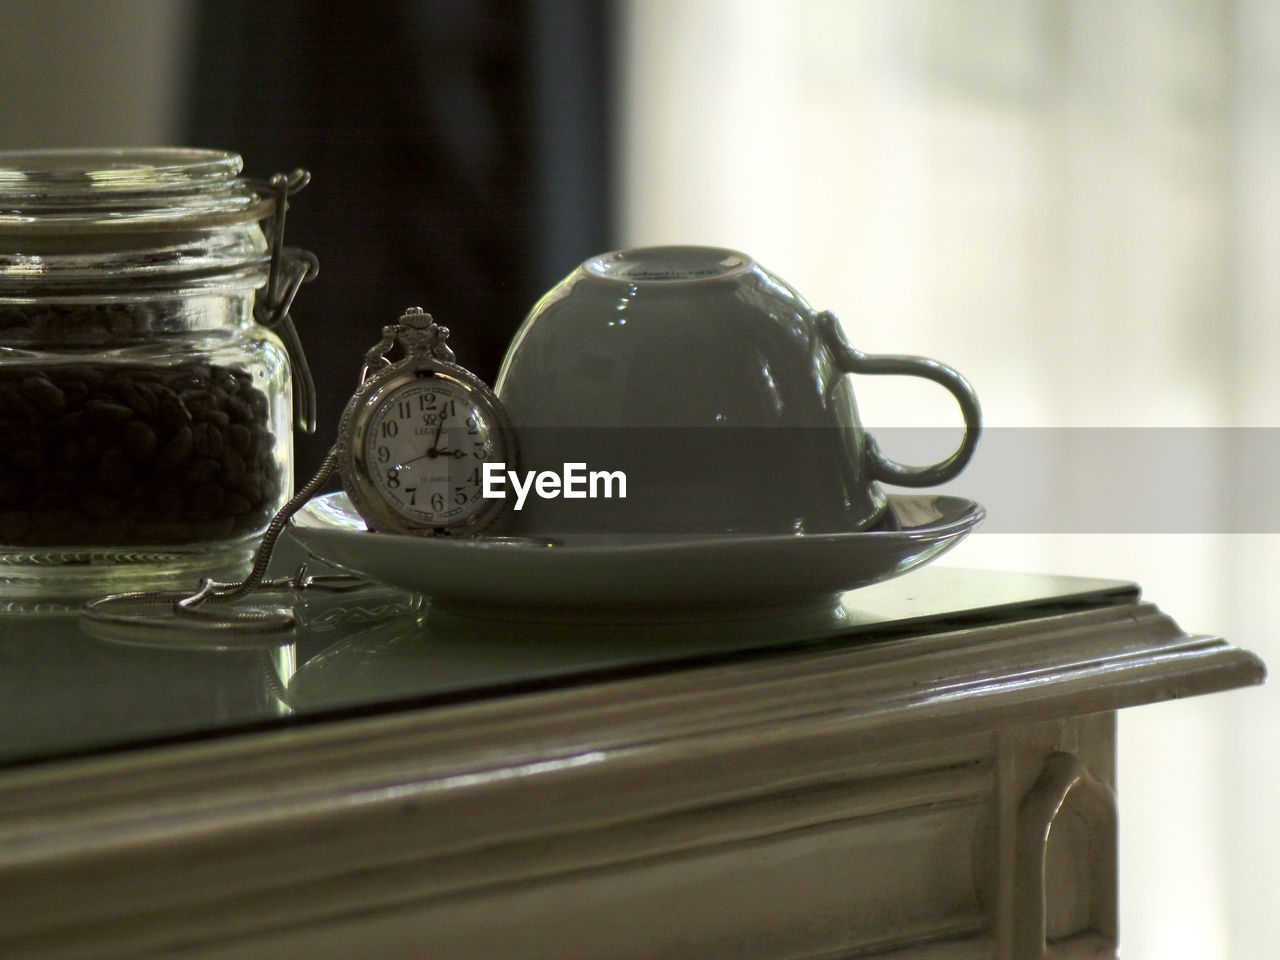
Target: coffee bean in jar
{"points": [[145, 412], [102, 455]]}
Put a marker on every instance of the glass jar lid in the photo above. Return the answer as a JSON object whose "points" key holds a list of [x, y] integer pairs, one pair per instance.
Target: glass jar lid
{"points": [[87, 219], [111, 189]]}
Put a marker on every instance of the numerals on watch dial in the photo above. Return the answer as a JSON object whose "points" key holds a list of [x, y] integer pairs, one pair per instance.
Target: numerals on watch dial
{"points": [[425, 449]]}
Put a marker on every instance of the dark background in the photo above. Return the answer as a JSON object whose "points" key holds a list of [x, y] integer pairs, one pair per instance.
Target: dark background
{"points": [[459, 152]]}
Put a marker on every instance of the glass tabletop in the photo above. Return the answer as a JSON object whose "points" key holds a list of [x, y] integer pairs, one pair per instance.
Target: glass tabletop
{"points": [[70, 688]]}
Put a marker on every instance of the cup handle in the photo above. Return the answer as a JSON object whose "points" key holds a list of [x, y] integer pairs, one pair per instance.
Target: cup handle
{"points": [[850, 360]]}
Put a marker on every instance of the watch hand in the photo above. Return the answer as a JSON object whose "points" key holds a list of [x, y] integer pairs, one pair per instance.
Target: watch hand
{"points": [[434, 450], [456, 454], [433, 453]]}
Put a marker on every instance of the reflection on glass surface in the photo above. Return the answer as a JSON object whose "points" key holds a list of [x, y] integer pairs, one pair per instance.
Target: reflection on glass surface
{"points": [[68, 688], [64, 689]]}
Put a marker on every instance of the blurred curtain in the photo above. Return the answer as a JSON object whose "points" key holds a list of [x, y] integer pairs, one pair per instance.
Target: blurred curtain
{"points": [[1077, 205], [459, 155]]}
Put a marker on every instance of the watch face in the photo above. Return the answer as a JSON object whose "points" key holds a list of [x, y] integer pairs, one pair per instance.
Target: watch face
{"points": [[424, 445]]}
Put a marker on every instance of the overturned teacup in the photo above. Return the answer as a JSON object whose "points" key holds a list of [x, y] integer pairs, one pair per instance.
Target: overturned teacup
{"points": [[685, 389]]}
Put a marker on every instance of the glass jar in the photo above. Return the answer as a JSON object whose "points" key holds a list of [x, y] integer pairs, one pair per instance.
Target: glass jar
{"points": [[145, 414]]}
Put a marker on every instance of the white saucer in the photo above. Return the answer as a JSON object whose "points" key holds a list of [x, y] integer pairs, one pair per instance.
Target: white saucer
{"points": [[638, 574]]}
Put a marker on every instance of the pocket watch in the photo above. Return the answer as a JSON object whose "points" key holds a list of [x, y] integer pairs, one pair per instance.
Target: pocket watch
{"points": [[411, 449], [415, 437]]}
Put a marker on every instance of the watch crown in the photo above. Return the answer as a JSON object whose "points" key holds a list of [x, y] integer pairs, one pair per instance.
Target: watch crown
{"points": [[419, 333], [416, 317]]}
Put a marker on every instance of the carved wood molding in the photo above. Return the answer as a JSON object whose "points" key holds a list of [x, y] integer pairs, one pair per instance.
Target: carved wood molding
{"points": [[421, 816]]}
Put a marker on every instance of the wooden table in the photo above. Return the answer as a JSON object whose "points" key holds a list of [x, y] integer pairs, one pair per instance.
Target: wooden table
{"points": [[928, 768]]}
